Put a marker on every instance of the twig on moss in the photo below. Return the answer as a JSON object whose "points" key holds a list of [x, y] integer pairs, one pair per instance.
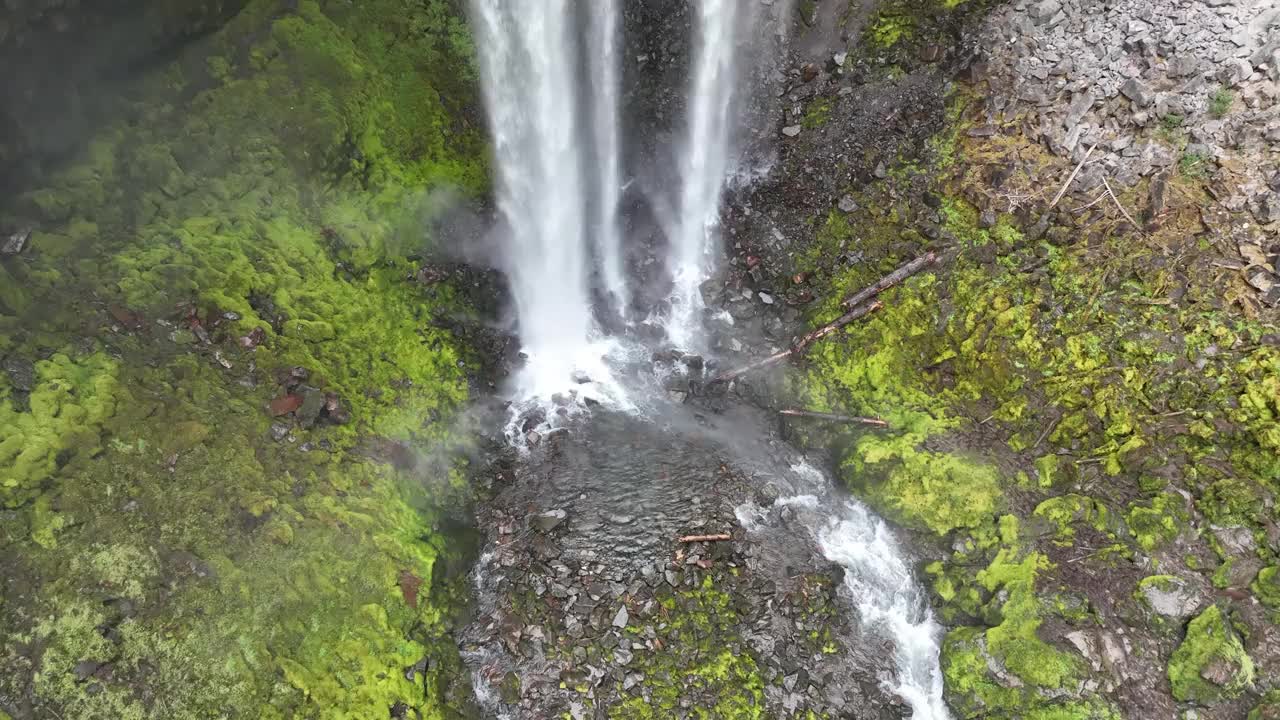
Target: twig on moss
{"points": [[903, 272], [1072, 177], [859, 308], [800, 344], [832, 417], [1120, 207]]}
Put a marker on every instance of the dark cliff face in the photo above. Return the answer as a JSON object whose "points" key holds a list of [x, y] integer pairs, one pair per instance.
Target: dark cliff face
{"points": [[66, 62]]}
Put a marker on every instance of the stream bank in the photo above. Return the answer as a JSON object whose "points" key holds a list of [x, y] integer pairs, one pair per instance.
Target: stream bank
{"points": [[1082, 397]]}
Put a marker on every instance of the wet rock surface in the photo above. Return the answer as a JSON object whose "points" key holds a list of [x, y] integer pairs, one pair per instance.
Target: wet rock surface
{"points": [[592, 606]]}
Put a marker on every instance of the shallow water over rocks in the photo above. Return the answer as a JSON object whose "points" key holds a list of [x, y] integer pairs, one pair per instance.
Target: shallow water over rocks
{"points": [[589, 602]]}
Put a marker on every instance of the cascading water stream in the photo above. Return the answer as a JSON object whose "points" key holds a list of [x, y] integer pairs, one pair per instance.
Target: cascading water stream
{"points": [[607, 133], [704, 164], [557, 142], [878, 580], [527, 56]]}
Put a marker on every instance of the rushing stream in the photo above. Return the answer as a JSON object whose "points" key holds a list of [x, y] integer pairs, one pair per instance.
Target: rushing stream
{"points": [[619, 482]]}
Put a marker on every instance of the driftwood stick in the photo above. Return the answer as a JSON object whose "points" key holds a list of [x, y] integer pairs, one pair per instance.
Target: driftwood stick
{"points": [[832, 417], [903, 272], [1120, 207], [722, 537], [802, 343], [1071, 178]]}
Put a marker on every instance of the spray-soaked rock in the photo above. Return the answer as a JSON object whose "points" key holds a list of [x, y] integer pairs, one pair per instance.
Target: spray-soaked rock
{"points": [[15, 242]]}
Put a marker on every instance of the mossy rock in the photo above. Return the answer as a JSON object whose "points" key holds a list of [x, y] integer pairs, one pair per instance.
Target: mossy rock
{"points": [[1267, 587], [1211, 664]]}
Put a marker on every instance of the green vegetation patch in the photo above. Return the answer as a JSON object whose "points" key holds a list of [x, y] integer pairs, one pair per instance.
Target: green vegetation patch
{"points": [[249, 209], [1210, 665], [702, 659]]}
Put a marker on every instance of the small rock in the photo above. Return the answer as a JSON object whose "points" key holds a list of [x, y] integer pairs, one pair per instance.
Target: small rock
{"points": [[1184, 66], [313, 402], [85, 669], [509, 690], [1138, 92], [335, 413], [1170, 597], [987, 219], [22, 373], [579, 377], [1235, 71], [279, 431], [620, 620], [840, 58], [15, 242], [1044, 10], [847, 204], [548, 521], [766, 298], [791, 130]]}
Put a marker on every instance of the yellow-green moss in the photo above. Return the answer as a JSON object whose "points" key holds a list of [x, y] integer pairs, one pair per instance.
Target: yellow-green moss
{"points": [[1211, 646], [270, 179], [697, 661], [68, 407], [1267, 587], [1012, 642]]}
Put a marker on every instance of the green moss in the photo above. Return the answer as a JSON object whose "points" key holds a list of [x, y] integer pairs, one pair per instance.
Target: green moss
{"points": [[67, 409], [817, 113], [1012, 644], [270, 179], [1154, 525], [890, 26], [1066, 511], [1268, 708], [1267, 587], [702, 658], [1210, 665]]}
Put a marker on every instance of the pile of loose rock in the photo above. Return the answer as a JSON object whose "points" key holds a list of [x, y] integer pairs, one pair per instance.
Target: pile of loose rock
{"points": [[1152, 84]]}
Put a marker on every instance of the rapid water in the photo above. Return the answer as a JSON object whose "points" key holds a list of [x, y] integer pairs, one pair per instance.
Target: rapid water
{"points": [[549, 174], [527, 55], [878, 581], [605, 67], [704, 164], [551, 83]]}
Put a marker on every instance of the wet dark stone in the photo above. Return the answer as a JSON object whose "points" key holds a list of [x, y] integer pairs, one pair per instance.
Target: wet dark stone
{"points": [[21, 372], [548, 521], [85, 669], [313, 402], [14, 242]]}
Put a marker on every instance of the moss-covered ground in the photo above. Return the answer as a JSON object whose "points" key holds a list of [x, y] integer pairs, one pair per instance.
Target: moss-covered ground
{"points": [[244, 210], [1074, 405]]}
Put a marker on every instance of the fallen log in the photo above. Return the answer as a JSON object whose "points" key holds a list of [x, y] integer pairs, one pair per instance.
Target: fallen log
{"points": [[722, 537], [832, 417], [903, 272], [800, 344]]}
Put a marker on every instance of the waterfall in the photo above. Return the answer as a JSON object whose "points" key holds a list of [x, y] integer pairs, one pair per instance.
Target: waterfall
{"points": [[703, 164], [552, 92], [605, 66], [530, 55]]}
